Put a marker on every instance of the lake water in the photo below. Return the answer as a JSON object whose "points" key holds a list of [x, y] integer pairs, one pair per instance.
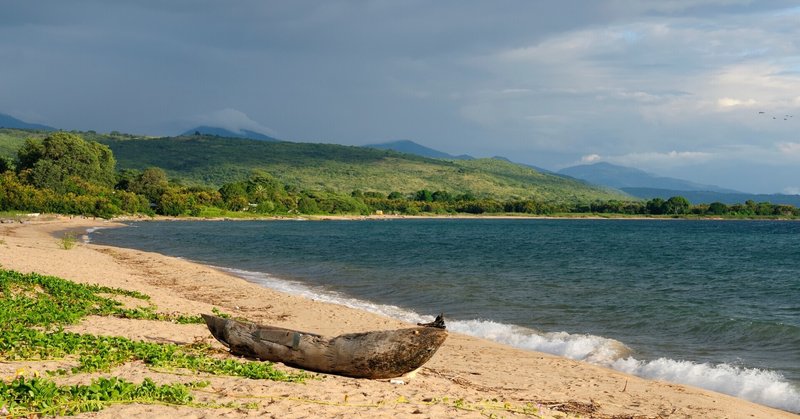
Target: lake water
{"points": [[715, 304]]}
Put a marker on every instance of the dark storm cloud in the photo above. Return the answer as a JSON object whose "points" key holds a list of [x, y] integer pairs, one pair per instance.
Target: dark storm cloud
{"points": [[646, 83]]}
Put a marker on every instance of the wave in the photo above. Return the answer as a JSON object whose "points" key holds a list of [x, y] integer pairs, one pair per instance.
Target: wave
{"points": [[87, 235], [760, 386]]}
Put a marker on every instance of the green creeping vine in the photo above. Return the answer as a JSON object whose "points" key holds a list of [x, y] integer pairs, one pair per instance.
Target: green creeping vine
{"points": [[33, 310], [101, 353], [47, 301], [42, 397]]}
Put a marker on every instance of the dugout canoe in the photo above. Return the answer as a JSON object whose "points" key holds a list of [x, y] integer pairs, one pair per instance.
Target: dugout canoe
{"points": [[377, 354]]}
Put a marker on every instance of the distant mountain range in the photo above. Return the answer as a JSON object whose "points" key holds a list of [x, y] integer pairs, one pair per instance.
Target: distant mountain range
{"points": [[634, 182], [410, 147], [621, 177], [222, 132], [8, 121], [641, 184]]}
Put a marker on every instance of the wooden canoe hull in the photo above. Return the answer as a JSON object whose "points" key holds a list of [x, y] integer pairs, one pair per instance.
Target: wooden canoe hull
{"points": [[378, 354]]}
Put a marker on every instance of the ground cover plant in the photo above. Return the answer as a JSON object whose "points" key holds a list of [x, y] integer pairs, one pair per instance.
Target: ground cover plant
{"points": [[26, 397], [35, 308]]}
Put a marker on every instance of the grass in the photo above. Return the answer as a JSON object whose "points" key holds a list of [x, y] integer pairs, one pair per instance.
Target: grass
{"points": [[68, 240], [33, 311]]}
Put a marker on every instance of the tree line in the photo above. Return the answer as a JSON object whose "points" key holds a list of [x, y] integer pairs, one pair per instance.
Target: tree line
{"points": [[63, 173]]}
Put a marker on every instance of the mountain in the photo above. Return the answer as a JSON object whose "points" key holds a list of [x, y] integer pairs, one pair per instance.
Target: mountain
{"points": [[622, 177], [222, 132], [209, 160], [643, 185], [8, 121], [214, 161], [410, 147]]}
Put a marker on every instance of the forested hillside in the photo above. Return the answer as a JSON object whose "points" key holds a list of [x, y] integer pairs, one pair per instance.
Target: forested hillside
{"points": [[62, 172], [214, 161]]}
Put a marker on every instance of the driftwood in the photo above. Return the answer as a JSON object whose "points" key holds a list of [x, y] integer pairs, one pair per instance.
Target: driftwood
{"points": [[378, 354]]}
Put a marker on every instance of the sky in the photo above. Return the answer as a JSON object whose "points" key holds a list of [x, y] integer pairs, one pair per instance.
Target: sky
{"points": [[673, 87]]}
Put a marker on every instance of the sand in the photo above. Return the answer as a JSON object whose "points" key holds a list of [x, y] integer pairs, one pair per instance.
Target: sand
{"points": [[468, 377]]}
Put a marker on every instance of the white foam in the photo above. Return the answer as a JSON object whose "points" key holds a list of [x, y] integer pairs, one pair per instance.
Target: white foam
{"points": [[590, 348], [87, 236], [760, 386], [320, 294]]}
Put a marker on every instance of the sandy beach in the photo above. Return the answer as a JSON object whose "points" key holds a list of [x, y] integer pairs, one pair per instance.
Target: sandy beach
{"points": [[468, 377]]}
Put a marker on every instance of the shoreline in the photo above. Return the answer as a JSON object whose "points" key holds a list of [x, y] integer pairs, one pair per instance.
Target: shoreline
{"points": [[389, 217], [465, 368]]}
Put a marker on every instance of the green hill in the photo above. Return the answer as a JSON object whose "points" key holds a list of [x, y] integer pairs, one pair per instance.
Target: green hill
{"points": [[11, 140], [210, 160]]}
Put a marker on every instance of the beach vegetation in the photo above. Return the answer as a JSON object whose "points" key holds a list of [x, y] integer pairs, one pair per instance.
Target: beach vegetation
{"points": [[33, 312], [38, 396], [67, 240]]}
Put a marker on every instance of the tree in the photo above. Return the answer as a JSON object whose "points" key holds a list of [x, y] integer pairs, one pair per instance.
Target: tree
{"points": [[656, 206], [5, 165], [152, 183], [442, 196], [30, 152], [676, 205], [717, 208], [62, 156], [423, 195], [234, 195], [125, 178], [307, 205]]}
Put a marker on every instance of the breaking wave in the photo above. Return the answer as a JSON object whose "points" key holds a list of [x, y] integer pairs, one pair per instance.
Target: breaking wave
{"points": [[761, 386]]}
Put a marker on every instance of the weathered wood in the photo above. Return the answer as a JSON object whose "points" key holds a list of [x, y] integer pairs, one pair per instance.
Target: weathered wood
{"points": [[437, 322], [378, 354]]}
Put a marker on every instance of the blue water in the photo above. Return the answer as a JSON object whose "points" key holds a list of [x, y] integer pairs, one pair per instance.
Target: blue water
{"points": [[714, 304]]}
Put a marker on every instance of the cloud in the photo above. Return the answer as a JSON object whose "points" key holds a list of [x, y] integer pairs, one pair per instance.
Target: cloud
{"points": [[662, 159], [547, 82], [590, 158], [789, 148], [231, 120], [727, 102]]}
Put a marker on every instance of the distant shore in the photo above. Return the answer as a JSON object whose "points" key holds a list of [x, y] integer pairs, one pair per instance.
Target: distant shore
{"points": [[467, 377], [450, 216]]}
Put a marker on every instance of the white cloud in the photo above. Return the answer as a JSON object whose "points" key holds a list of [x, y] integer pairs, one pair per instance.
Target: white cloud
{"points": [[648, 83], [727, 102], [661, 159], [789, 148], [231, 120], [590, 158], [791, 190]]}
